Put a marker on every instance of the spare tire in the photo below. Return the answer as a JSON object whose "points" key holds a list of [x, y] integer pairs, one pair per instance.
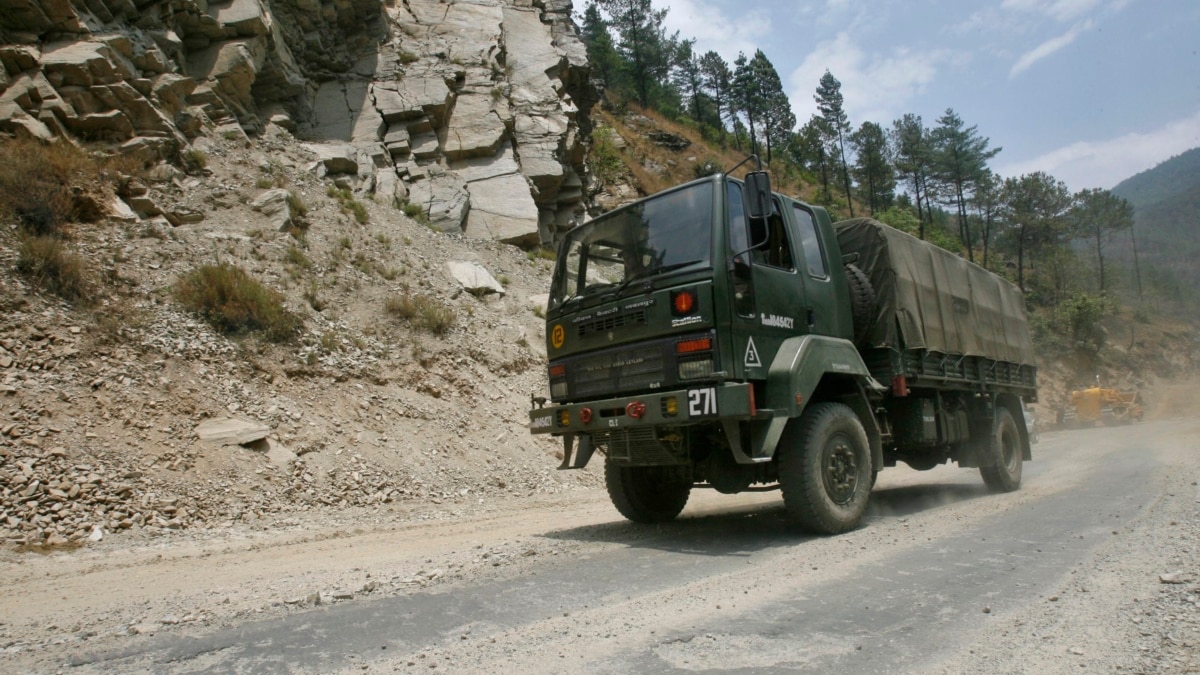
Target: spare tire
{"points": [[862, 302]]}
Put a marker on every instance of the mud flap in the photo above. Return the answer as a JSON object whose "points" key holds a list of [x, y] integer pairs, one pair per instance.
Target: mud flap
{"points": [[764, 436], [582, 456]]}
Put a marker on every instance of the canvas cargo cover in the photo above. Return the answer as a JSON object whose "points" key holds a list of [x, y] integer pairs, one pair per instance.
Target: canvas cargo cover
{"points": [[929, 298]]}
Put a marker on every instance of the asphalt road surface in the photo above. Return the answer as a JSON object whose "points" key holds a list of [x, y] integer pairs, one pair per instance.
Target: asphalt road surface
{"points": [[941, 577]]}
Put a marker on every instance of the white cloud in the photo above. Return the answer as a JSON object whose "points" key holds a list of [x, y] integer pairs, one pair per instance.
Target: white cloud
{"points": [[1061, 10], [876, 87], [1048, 47], [1088, 164], [713, 29]]}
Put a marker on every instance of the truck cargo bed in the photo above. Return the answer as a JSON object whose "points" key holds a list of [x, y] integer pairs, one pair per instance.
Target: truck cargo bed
{"points": [[935, 304], [940, 321]]}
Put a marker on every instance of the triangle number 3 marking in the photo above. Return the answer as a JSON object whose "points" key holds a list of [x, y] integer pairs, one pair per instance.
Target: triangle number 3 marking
{"points": [[752, 360]]}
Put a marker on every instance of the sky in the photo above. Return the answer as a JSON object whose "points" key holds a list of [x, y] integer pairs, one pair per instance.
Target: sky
{"points": [[1089, 91]]}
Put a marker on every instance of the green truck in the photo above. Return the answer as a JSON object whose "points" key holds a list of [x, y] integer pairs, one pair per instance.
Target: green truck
{"points": [[720, 335]]}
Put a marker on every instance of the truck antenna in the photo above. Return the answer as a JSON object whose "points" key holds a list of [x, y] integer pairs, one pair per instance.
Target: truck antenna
{"points": [[757, 164]]}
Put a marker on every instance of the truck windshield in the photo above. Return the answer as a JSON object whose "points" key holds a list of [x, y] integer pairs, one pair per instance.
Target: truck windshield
{"points": [[665, 232]]}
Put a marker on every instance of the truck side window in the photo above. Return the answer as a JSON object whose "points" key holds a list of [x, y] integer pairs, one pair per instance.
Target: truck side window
{"points": [[738, 238], [810, 244], [739, 241], [777, 251]]}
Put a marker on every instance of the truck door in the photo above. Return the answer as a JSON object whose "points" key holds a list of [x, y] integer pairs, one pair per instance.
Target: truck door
{"points": [[769, 302], [820, 312]]}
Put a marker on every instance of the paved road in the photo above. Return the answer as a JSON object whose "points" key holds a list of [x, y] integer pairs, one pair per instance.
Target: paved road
{"points": [[730, 587]]}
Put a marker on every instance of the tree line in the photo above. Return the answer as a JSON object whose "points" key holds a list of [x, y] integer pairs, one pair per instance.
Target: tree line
{"points": [[932, 181]]}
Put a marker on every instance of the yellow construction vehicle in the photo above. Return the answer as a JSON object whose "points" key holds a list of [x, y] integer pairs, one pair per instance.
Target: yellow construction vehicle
{"points": [[1102, 405]]}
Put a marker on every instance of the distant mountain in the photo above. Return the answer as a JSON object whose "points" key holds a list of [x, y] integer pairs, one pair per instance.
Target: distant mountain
{"points": [[1166, 200]]}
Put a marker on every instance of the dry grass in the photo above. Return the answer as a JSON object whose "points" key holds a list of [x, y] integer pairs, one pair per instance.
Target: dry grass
{"points": [[48, 266], [43, 186], [421, 312], [232, 301], [639, 149]]}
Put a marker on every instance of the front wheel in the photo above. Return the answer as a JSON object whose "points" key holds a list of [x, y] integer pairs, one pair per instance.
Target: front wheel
{"points": [[1004, 452], [825, 469], [647, 494]]}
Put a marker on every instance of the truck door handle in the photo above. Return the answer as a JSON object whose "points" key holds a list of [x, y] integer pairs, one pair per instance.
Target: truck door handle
{"points": [[812, 318]]}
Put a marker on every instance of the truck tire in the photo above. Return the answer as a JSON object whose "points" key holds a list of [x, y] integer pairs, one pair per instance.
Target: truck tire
{"points": [[862, 302], [1004, 451], [647, 494], [825, 469]]}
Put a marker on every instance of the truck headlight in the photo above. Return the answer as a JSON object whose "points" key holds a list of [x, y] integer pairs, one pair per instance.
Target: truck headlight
{"points": [[695, 368], [558, 390]]}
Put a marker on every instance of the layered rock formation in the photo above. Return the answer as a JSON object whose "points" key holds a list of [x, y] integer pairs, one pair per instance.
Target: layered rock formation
{"points": [[473, 110]]}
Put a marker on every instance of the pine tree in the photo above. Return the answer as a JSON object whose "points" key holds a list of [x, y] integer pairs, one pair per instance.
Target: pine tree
{"points": [[960, 156], [1035, 206], [810, 151], [747, 99], [644, 46], [688, 79], [1100, 214], [775, 110], [913, 150], [602, 54], [717, 83], [987, 206], [830, 104], [873, 169]]}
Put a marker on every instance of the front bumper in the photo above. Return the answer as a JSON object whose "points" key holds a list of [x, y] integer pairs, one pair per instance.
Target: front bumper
{"points": [[694, 405]]}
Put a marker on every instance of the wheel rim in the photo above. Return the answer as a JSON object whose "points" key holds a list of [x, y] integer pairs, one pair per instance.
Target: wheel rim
{"points": [[840, 470]]}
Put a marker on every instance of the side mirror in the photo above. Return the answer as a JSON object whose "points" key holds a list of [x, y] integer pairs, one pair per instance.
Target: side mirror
{"points": [[758, 194]]}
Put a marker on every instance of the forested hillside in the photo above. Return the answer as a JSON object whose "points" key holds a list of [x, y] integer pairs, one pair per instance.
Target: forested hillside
{"points": [[1166, 201]]}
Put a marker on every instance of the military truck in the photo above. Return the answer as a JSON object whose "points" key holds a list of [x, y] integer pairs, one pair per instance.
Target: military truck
{"points": [[721, 335]]}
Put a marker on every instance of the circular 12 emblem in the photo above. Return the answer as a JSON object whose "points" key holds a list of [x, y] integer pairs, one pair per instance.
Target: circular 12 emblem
{"points": [[557, 336]]}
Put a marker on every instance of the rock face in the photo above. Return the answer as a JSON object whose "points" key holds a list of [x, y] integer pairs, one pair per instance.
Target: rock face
{"points": [[474, 110]]}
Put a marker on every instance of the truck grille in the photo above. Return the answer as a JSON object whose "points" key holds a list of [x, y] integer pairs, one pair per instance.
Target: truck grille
{"points": [[623, 370], [636, 318], [639, 447]]}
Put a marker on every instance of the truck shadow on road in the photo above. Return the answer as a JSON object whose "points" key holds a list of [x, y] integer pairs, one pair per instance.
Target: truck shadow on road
{"points": [[741, 530]]}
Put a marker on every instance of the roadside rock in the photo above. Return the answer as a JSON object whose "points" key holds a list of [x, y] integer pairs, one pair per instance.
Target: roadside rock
{"points": [[229, 431], [473, 278]]}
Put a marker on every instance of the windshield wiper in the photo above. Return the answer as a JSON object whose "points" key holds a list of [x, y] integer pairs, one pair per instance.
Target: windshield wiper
{"points": [[672, 267], [646, 276]]}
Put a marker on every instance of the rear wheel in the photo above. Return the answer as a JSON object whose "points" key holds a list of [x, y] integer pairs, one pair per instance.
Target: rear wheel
{"points": [[825, 469], [647, 494], [1004, 453]]}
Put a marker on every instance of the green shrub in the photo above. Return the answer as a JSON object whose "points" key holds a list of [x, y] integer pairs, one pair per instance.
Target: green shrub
{"points": [[312, 297], [296, 258], [297, 205], [363, 264], [232, 301], [541, 253], [415, 211], [349, 204], [1080, 319], [358, 210], [193, 160], [46, 263], [605, 157]]}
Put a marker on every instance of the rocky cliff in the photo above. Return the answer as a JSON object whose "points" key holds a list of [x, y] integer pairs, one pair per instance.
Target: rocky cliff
{"points": [[475, 111]]}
